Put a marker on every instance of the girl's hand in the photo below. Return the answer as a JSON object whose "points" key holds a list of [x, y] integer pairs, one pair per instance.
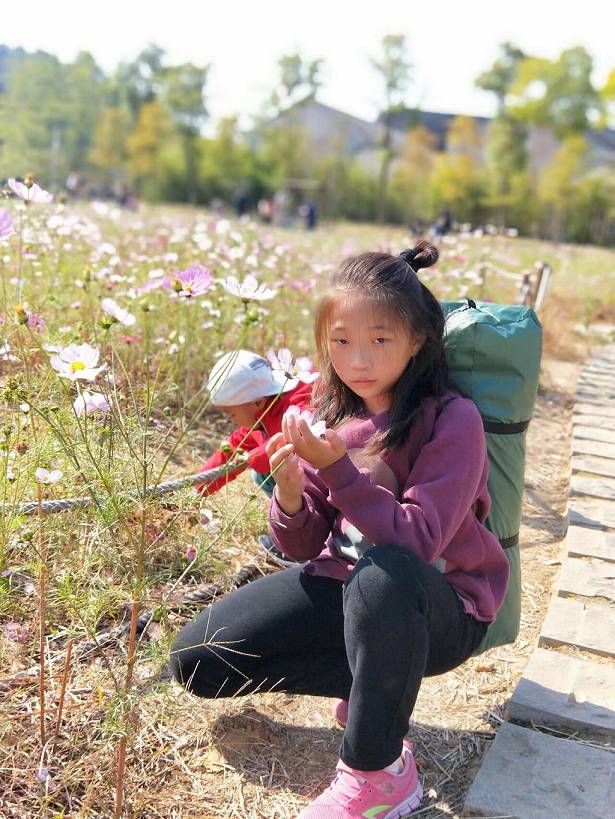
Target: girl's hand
{"points": [[320, 452], [287, 473]]}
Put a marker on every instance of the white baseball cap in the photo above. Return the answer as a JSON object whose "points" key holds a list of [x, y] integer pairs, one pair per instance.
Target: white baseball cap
{"points": [[241, 376]]}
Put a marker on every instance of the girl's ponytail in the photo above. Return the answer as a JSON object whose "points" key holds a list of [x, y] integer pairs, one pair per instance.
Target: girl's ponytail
{"points": [[423, 254]]}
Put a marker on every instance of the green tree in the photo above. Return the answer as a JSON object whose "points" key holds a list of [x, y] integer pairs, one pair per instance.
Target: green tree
{"points": [[137, 82], [394, 67], [298, 80], [557, 93], [226, 161], [458, 180], [109, 148], [183, 92], [411, 176], [47, 115], [506, 155], [502, 73], [607, 94], [145, 146], [558, 184]]}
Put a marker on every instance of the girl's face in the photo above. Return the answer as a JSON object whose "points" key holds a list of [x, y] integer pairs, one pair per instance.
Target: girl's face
{"points": [[369, 351]]}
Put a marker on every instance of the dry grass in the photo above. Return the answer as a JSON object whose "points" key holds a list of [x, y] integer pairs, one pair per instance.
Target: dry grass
{"points": [[267, 755]]}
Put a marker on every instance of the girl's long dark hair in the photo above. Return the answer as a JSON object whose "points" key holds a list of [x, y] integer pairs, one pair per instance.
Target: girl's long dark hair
{"points": [[390, 282]]}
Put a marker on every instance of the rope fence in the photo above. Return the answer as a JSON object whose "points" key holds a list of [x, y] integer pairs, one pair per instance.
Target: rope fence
{"points": [[63, 504]]}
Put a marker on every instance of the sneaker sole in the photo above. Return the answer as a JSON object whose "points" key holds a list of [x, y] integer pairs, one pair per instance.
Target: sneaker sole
{"points": [[407, 806]]}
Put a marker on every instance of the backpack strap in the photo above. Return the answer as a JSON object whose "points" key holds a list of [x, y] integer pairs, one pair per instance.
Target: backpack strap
{"points": [[501, 428]]}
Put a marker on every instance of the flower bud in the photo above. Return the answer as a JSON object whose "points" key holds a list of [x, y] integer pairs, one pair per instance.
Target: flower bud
{"points": [[21, 315]]}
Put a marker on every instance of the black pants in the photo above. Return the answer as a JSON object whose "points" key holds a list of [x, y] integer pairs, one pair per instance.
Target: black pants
{"points": [[369, 640]]}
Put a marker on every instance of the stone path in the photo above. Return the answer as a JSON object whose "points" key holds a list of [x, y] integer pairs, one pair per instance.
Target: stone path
{"points": [[556, 755]]}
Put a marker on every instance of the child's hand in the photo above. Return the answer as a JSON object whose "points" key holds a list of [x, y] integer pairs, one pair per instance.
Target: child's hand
{"points": [[287, 473], [320, 452]]}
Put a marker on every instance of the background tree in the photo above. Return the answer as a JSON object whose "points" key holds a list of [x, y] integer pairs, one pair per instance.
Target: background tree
{"points": [[183, 92], [506, 152], [145, 146], [411, 177], [226, 162], [607, 94], [458, 180], [558, 185], [394, 67], [502, 73], [298, 81], [109, 149], [557, 93]]}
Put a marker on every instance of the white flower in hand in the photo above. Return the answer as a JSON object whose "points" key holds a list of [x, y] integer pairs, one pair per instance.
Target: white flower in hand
{"points": [[319, 450], [317, 428]]}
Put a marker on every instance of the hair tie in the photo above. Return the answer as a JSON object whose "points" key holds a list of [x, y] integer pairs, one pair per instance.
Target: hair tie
{"points": [[409, 256]]}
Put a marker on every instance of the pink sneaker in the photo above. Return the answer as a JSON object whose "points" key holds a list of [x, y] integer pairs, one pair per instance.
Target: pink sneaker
{"points": [[339, 709], [369, 794]]}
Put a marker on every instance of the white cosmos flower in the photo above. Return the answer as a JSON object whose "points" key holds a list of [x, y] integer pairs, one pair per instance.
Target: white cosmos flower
{"points": [[45, 476], [118, 313], [249, 288], [90, 402], [300, 368], [317, 428], [5, 353], [77, 361]]}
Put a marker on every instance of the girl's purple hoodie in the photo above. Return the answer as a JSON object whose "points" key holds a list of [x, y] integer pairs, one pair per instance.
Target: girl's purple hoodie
{"points": [[428, 495]]}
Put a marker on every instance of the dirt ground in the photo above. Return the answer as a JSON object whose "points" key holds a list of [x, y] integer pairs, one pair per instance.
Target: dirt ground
{"points": [[266, 756], [269, 755]]}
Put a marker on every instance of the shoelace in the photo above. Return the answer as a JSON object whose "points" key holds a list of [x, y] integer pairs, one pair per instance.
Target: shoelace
{"points": [[361, 781]]}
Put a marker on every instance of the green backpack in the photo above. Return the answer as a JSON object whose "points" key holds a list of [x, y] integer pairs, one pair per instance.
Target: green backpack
{"points": [[493, 353]]}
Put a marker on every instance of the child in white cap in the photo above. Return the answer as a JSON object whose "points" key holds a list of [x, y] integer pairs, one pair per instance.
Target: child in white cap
{"points": [[244, 386]]}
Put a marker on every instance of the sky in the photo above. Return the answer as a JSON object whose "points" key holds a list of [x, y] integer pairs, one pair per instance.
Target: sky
{"points": [[449, 42]]}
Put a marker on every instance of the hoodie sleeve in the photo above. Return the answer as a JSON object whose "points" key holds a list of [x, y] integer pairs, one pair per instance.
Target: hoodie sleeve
{"points": [[302, 536], [441, 488], [251, 442]]}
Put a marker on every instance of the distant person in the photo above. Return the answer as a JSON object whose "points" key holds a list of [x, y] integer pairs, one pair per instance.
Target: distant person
{"points": [[310, 215], [265, 210], [242, 202], [443, 224]]}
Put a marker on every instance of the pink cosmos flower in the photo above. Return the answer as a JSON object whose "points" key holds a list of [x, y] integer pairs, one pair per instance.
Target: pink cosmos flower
{"points": [[36, 322], [149, 286], [16, 632], [6, 223], [90, 402], [30, 193], [299, 369], [186, 284]]}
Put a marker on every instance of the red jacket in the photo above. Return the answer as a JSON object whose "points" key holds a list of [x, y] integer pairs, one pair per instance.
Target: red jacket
{"points": [[254, 442]]}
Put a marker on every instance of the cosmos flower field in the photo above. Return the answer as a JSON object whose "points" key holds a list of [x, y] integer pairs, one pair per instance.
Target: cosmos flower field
{"points": [[109, 321]]}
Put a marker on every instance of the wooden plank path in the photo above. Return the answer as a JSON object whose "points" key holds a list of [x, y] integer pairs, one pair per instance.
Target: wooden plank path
{"points": [[568, 686]]}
